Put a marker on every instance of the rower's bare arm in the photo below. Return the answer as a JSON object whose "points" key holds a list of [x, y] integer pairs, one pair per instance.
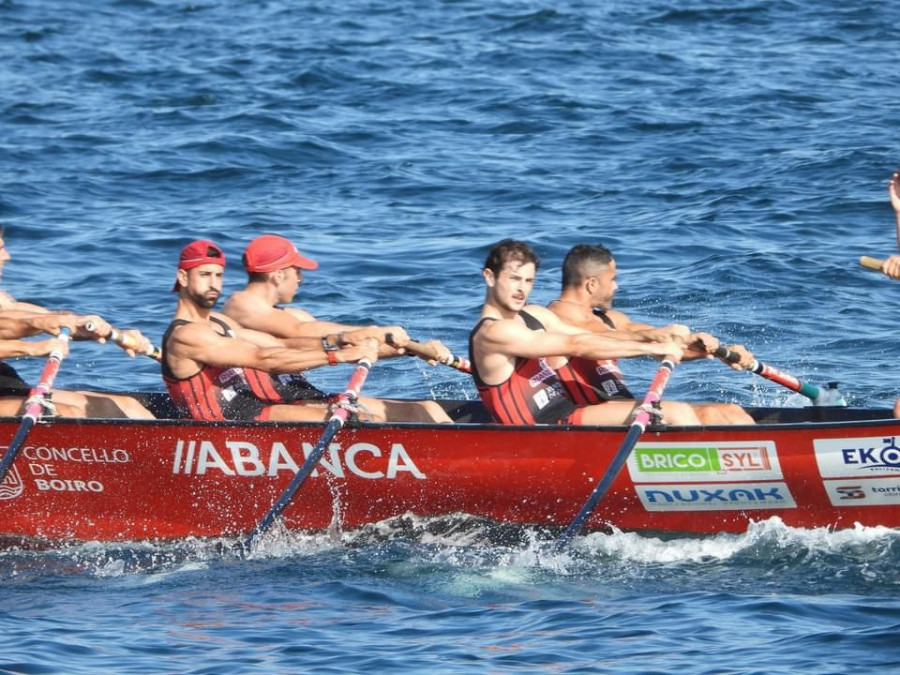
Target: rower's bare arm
{"points": [[9, 304], [10, 349], [894, 192], [303, 315], [512, 338], [17, 324], [191, 345], [391, 339]]}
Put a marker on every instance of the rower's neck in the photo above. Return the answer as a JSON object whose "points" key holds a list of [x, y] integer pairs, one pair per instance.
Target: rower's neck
{"points": [[264, 291], [190, 311], [497, 312], [576, 300]]}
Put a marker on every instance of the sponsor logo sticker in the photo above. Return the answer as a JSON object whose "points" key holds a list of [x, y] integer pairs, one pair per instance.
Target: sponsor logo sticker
{"points": [[716, 497], [704, 462], [857, 457], [242, 458], [868, 492]]}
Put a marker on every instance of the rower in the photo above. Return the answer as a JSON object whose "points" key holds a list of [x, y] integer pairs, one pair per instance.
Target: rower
{"points": [[513, 345], [588, 288], [20, 320], [275, 270], [891, 266]]}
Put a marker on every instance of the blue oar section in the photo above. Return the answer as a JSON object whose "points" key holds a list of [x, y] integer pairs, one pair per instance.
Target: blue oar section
{"points": [[641, 419], [337, 420]]}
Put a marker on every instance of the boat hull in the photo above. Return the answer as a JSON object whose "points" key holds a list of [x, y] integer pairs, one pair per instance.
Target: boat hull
{"points": [[114, 480]]}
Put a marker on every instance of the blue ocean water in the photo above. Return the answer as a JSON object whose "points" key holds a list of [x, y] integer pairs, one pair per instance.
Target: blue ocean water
{"points": [[733, 155]]}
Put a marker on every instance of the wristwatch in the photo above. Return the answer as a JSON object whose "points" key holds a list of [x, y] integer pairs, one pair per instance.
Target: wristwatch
{"points": [[331, 350]]}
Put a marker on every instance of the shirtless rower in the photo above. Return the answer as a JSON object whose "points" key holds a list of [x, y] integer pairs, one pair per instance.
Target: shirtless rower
{"points": [[891, 266], [275, 271]]}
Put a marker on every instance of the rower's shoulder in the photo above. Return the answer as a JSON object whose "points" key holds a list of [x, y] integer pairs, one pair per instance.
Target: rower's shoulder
{"points": [[567, 311], [237, 302], [540, 313]]}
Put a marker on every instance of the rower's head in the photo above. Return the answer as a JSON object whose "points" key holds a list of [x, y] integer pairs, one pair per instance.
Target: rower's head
{"points": [[273, 259], [201, 268], [590, 272], [509, 272]]}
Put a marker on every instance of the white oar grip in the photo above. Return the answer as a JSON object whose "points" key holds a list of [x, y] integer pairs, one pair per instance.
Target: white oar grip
{"points": [[58, 352]]}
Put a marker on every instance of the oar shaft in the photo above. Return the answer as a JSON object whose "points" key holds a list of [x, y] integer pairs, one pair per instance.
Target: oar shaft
{"points": [[34, 404], [337, 420], [810, 391], [641, 419]]}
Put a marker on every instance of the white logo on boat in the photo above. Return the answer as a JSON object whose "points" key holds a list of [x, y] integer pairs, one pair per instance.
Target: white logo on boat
{"points": [[868, 492], [12, 485], [857, 457], [716, 497], [240, 458]]}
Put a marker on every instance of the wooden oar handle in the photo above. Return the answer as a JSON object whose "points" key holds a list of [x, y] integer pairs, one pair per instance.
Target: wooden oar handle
{"points": [[430, 354], [871, 263], [128, 342]]}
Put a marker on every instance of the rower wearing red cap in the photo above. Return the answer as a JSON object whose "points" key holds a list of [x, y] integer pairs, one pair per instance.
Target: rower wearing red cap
{"points": [[275, 270], [216, 369]]}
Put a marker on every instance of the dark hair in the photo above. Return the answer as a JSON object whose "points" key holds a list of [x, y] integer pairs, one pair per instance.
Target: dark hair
{"points": [[510, 250], [577, 260]]}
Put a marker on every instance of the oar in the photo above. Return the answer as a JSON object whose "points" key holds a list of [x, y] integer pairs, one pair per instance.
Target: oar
{"points": [[819, 396], [430, 354], [641, 419], [871, 263], [129, 342], [337, 420], [34, 405]]}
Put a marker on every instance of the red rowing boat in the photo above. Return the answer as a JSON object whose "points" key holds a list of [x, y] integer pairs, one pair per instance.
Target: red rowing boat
{"points": [[113, 480]]}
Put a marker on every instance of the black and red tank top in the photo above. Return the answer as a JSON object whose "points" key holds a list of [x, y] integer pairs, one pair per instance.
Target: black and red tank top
{"points": [[590, 381], [215, 393], [533, 393]]}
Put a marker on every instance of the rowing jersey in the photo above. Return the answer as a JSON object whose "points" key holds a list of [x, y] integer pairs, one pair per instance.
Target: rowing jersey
{"points": [[590, 381], [215, 393], [533, 393]]}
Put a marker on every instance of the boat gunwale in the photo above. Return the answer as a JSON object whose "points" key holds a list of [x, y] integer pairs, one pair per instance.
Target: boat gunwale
{"points": [[762, 427]]}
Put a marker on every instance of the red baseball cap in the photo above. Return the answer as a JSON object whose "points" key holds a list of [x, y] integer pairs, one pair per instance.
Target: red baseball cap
{"points": [[269, 253], [200, 252]]}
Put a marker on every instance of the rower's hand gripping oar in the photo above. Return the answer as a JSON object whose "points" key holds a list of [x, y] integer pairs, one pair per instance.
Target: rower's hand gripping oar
{"points": [[338, 417], [878, 265], [820, 397], [127, 341], [429, 353], [641, 419], [36, 402]]}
